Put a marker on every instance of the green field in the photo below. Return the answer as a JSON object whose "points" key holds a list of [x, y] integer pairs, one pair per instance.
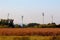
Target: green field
{"points": [[29, 37]]}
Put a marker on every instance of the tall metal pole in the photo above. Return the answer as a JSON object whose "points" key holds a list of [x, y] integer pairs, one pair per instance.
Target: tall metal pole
{"points": [[22, 21], [52, 19], [43, 17], [8, 16]]}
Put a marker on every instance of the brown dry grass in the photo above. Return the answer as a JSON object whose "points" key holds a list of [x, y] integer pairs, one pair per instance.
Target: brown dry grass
{"points": [[29, 31]]}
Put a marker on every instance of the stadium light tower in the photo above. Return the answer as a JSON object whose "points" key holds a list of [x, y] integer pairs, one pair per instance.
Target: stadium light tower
{"points": [[52, 19], [43, 17], [22, 20], [8, 16]]}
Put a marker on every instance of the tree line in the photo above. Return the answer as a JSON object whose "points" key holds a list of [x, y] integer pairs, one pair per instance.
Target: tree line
{"points": [[9, 24], [30, 25]]}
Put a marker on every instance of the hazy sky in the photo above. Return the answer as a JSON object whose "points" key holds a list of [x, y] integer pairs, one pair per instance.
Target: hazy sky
{"points": [[31, 10]]}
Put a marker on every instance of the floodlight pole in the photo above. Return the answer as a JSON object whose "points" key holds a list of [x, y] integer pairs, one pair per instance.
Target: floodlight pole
{"points": [[43, 17], [22, 21], [52, 19], [8, 16]]}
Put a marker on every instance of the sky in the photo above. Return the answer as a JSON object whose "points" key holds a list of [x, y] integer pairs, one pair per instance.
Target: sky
{"points": [[31, 10]]}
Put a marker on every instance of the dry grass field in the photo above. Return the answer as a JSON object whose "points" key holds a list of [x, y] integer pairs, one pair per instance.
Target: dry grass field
{"points": [[29, 31], [29, 37]]}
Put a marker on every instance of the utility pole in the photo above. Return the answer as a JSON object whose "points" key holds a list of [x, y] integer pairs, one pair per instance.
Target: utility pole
{"points": [[22, 20], [43, 17]]}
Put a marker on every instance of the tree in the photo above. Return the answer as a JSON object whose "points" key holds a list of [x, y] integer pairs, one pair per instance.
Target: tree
{"points": [[33, 25], [51, 25], [17, 26], [58, 26]]}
